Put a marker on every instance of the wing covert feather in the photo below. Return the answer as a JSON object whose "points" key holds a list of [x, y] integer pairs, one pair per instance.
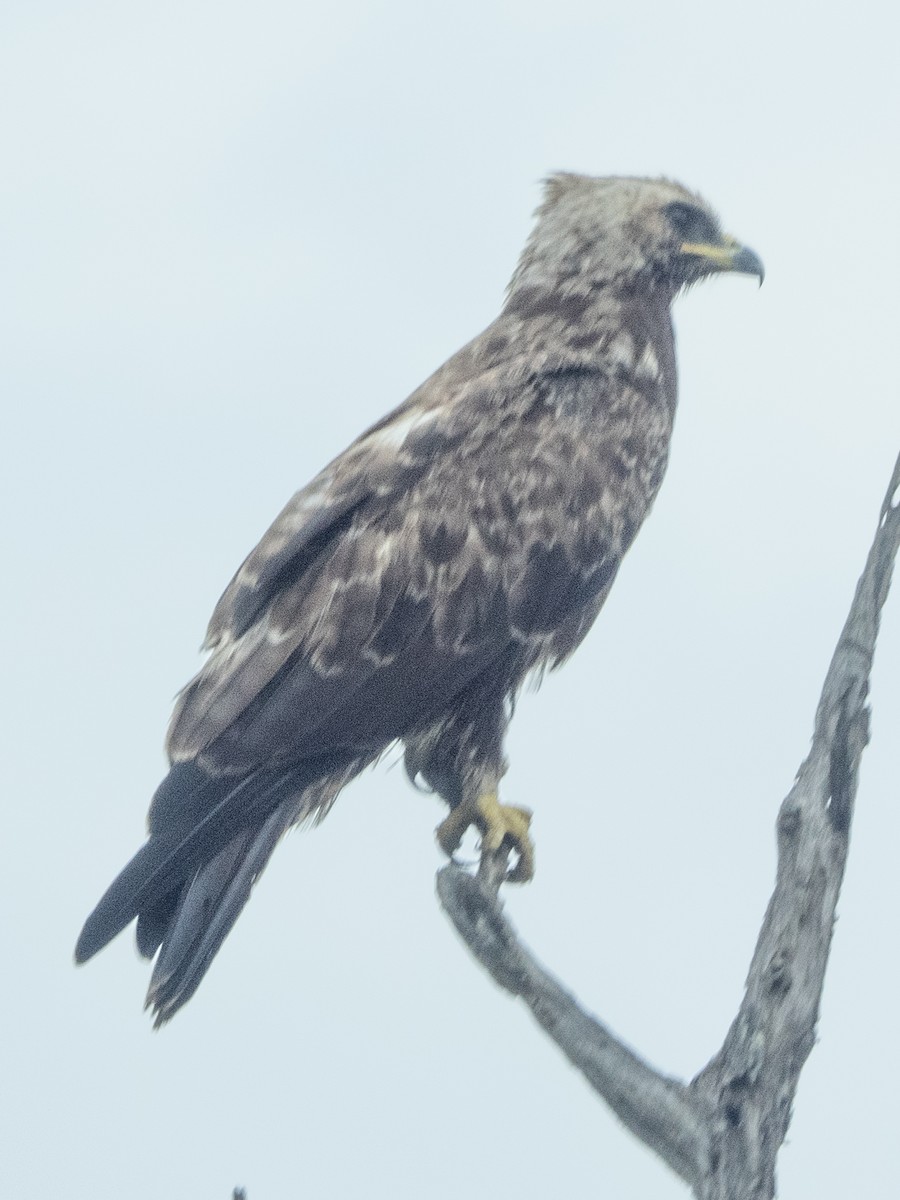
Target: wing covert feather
{"points": [[445, 535]]}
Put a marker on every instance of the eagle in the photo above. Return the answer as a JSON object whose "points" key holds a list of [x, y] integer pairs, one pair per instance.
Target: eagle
{"points": [[463, 543]]}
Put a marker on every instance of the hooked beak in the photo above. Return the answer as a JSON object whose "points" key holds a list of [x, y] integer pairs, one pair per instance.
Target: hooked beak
{"points": [[727, 255]]}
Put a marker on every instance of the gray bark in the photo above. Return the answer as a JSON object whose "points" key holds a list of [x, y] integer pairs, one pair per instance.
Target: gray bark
{"points": [[722, 1131]]}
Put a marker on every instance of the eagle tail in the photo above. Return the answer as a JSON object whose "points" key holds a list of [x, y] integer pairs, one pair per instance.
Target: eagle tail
{"points": [[190, 926], [209, 843]]}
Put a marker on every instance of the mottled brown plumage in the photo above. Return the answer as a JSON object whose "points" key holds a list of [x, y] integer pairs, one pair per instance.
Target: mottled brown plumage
{"points": [[464, 541]]}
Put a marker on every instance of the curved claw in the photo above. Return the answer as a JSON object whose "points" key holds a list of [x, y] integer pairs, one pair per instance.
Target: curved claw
{"points": [[502, 827]]}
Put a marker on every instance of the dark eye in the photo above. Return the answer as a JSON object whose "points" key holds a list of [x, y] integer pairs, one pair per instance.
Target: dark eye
{"points": [[691, 224]]}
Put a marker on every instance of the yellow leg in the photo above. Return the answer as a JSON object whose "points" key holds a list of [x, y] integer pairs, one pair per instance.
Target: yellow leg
{"points": [[502, 826]]}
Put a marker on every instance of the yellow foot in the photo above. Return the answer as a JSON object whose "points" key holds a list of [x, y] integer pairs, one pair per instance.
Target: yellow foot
{"points": [[502, 827]]}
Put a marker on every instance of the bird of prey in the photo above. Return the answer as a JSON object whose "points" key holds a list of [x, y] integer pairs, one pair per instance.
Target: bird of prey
{"points": [[462, 543]]}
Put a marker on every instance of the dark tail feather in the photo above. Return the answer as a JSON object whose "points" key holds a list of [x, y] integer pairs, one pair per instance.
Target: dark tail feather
{"points": [[191, 921], [197, 817], [153, 921], [193, 816], [210, 838], [121, 902], [192, 924], [206, 911]]}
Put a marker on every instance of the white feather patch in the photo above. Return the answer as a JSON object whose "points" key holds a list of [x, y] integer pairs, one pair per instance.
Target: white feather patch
{"points": [[648, 367], [621, 351], [396, 433]]}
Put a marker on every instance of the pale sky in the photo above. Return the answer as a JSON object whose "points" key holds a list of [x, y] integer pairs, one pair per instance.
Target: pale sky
{"points": [[231, 236]]}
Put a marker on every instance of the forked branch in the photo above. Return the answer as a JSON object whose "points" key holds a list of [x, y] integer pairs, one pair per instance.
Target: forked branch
{"points": [[722, 1132]]}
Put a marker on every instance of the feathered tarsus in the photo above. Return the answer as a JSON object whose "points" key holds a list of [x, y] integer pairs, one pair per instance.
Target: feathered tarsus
{"points": [[467, 539]]}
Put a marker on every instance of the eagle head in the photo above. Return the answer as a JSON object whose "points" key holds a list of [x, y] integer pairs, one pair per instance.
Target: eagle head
{"points": [[625, 233]]}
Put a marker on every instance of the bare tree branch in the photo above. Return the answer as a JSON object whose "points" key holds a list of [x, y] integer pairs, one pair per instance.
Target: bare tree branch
{"points": [[722, 1133], [660, 1111]]}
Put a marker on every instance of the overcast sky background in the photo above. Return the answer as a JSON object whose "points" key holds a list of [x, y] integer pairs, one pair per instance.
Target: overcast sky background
{"points": [[231, 236]]}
